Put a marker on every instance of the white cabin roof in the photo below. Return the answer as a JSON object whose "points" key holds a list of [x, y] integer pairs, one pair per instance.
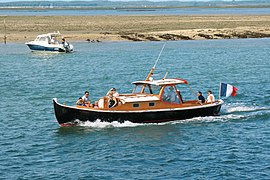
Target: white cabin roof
{"points": [[163, 82], [50, 35]]}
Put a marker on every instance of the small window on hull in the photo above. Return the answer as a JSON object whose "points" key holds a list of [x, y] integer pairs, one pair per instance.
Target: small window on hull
{"points": [[151, 104], [136, 105]]}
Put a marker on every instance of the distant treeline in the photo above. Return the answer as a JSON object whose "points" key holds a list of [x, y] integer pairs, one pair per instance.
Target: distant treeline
{"points": [[130, 4]]}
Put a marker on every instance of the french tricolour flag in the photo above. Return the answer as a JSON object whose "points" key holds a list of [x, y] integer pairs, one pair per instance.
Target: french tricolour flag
{"points": [[227, 90]]}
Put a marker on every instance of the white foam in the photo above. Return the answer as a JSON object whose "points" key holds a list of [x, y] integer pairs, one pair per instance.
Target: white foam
{"points": [[238, 107], [221, 118], [101, 125]]}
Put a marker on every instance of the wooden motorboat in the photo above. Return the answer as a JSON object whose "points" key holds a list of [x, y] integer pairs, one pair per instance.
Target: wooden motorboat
{"points": [[153, 101]]}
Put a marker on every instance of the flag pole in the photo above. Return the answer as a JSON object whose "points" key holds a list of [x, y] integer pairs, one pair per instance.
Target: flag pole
{"points": [[219, 94]]}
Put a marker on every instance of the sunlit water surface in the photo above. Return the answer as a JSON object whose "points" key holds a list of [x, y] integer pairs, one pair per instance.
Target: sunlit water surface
{"points": [[234, 145]]}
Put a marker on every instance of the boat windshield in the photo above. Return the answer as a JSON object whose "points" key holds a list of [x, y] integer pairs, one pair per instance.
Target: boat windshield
{"points": [[170, 95], [43, 38], [148, 89]]}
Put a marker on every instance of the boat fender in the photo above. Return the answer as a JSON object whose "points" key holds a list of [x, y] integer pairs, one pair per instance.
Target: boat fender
{"points": [[101, 103], [121, 101]]}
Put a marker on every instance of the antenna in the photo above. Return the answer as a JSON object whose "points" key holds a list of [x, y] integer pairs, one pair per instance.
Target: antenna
{"points": [[154, 67], [165, 75]]}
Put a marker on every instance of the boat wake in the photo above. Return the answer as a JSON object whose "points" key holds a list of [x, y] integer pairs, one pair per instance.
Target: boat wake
{"points": [[221, 118], [240, 107]]}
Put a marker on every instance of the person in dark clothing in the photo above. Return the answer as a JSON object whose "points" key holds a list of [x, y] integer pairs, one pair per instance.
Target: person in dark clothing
{"points": [[112, 101], [80, 102], [200, 97]]}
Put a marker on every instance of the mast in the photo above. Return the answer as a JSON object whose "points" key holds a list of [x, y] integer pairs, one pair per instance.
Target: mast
{"points": [[219, 93], [153, 68]]}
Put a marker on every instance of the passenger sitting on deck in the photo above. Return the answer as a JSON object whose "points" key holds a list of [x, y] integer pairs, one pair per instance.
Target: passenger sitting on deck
{"points": [[53, 40], [86, 99], [80, 102], [210, 98], [115, 93], [96, 104], [112, 102], [201, 99]]}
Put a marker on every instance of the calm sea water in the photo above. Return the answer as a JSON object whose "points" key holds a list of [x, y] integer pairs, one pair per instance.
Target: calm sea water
{"points": [[158, 11], [234, 145]]}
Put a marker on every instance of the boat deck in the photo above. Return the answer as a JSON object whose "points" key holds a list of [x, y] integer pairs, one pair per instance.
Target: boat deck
{"points": [[148, 105]]}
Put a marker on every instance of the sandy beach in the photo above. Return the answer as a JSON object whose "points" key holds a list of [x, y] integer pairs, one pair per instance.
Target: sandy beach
{"points": [[137, 27]]}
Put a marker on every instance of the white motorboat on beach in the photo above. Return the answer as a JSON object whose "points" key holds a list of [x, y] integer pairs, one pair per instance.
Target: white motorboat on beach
{"points": [[50, 43]]}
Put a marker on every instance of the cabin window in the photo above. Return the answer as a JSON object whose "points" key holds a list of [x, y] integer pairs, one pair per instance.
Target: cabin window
{"points": [[151, 104], [43, 39], [137, 89], [170, 95], [136, 105], [153, 89], [148, 89]]}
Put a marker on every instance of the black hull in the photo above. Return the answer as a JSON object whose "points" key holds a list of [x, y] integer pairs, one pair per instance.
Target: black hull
{"points": [[68, 114]]}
